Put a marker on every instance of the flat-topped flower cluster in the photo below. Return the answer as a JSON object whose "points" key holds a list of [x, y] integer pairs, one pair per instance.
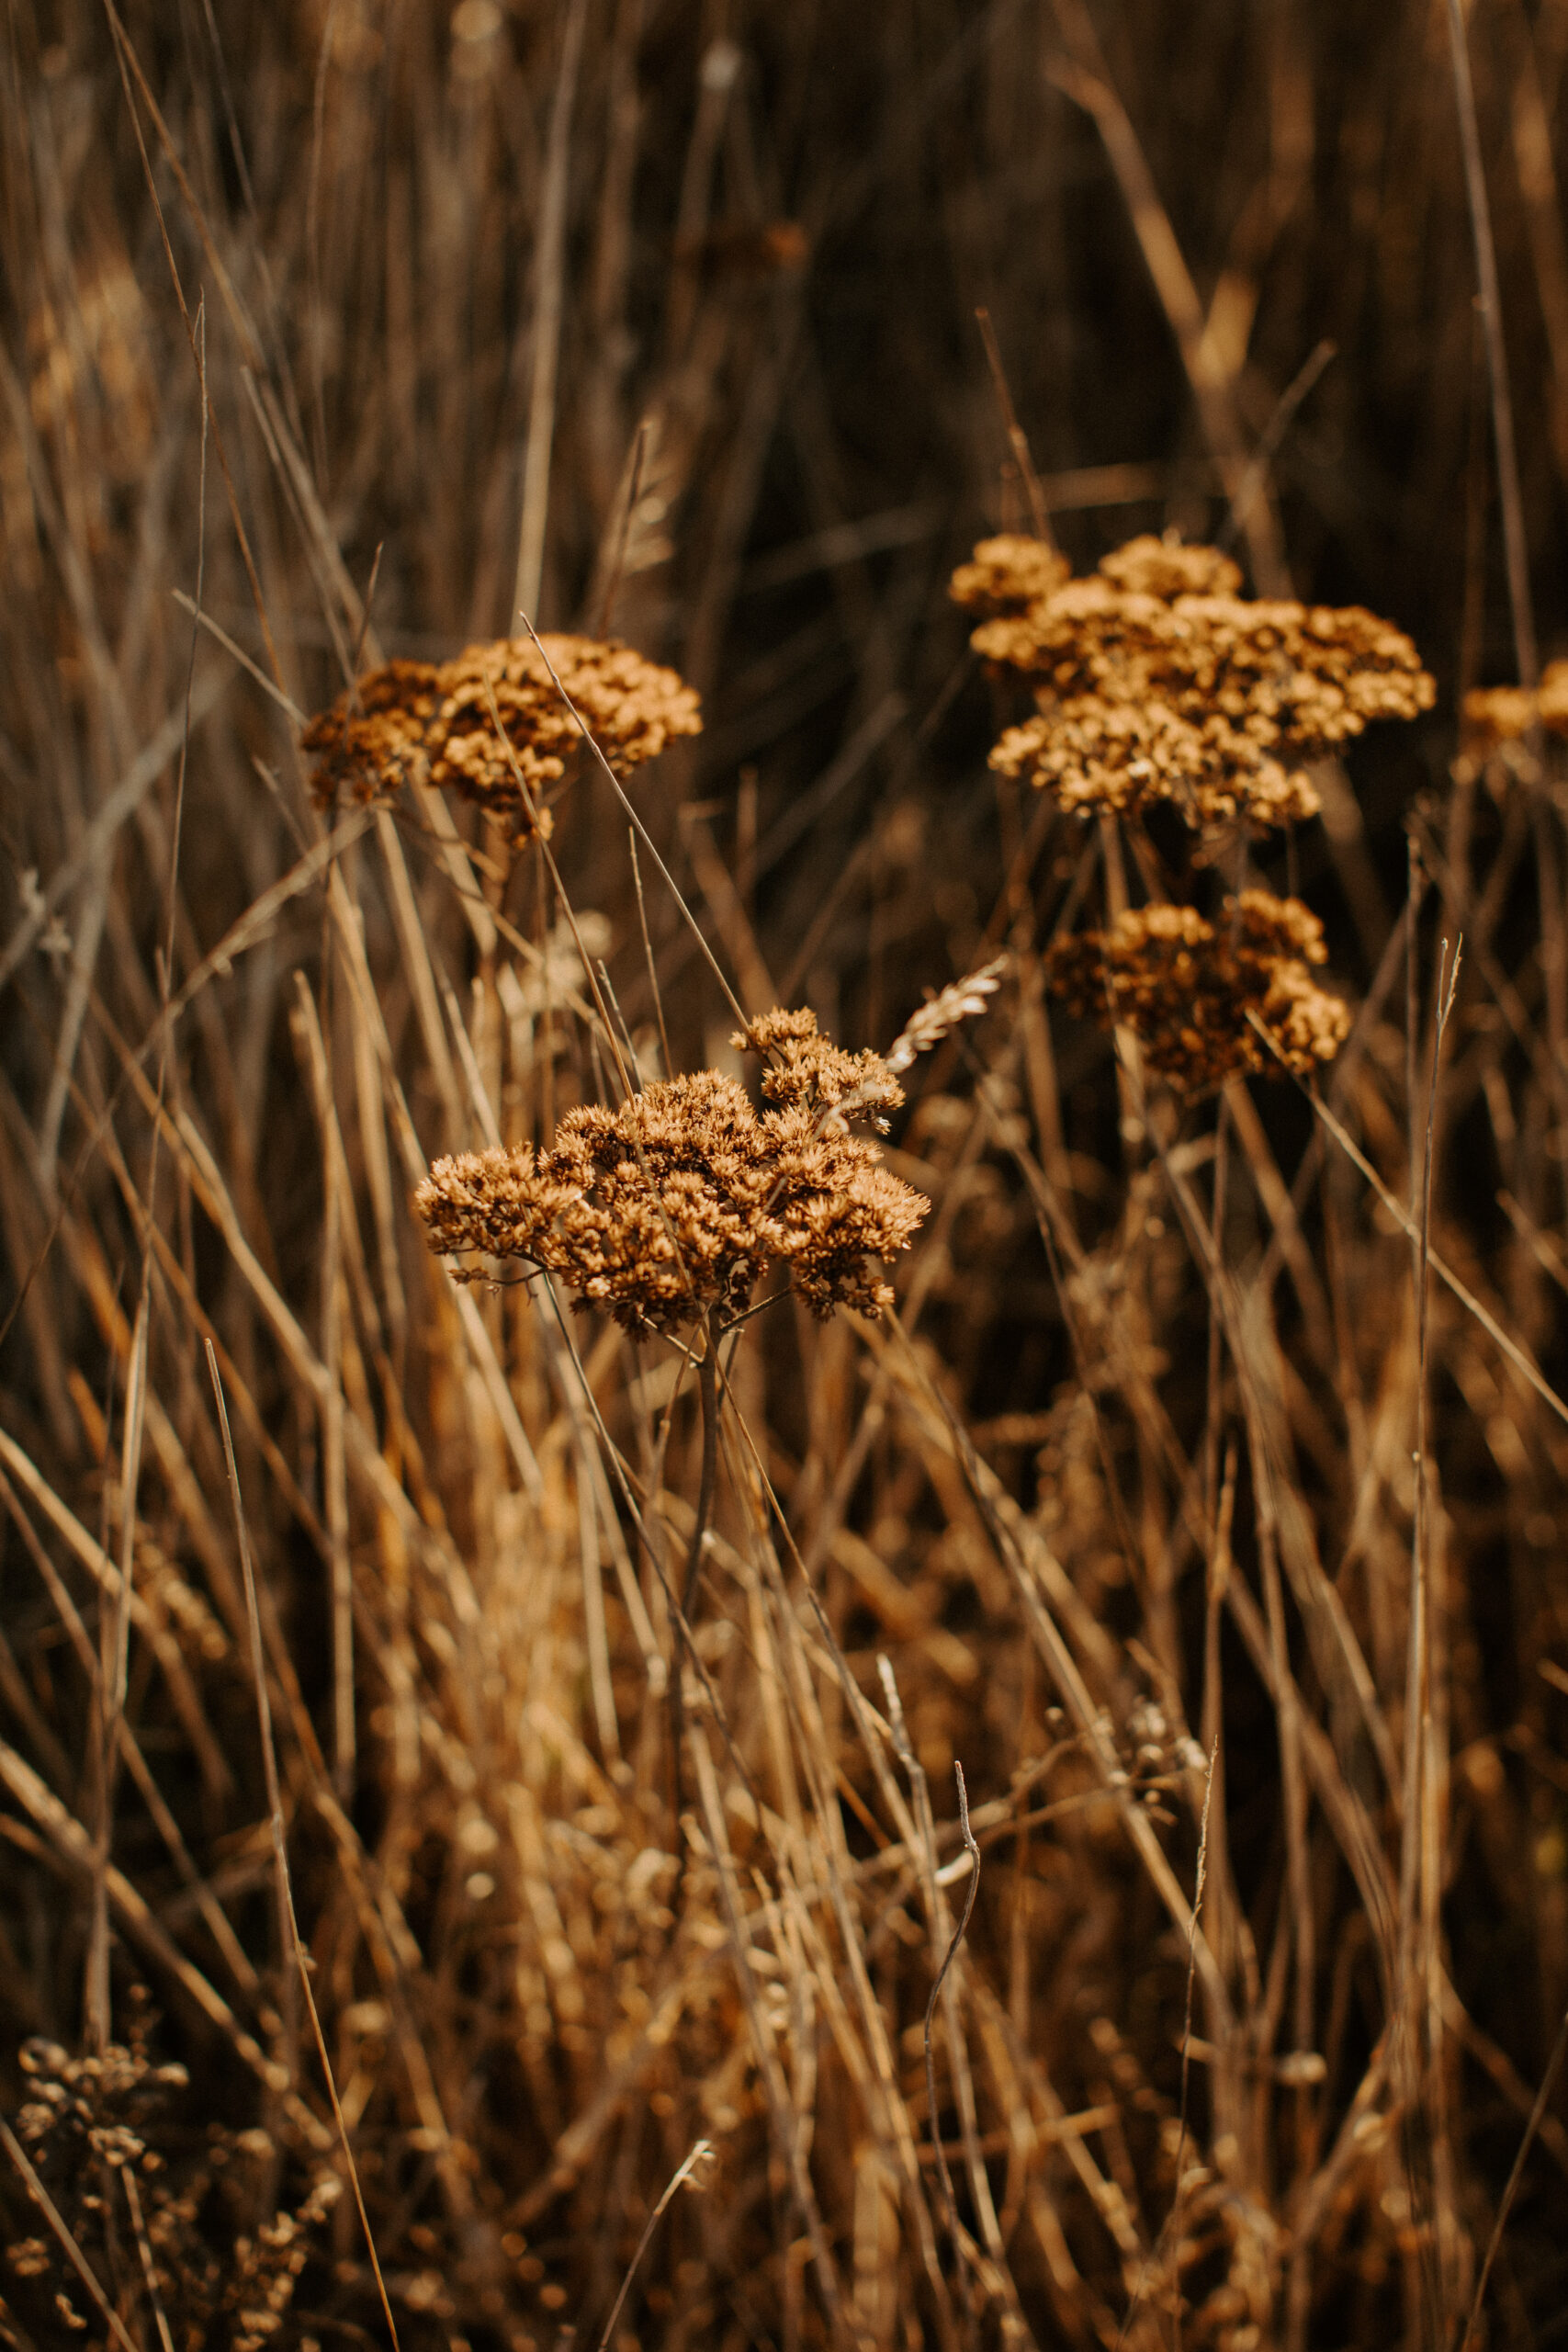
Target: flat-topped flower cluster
{"points": [[1155, 680], [436, 722], [1187, 986], [677, 1204], [1497, 715]]}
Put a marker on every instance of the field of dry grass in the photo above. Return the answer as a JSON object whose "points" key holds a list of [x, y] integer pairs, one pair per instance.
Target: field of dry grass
{"points": [[423, 1913]]}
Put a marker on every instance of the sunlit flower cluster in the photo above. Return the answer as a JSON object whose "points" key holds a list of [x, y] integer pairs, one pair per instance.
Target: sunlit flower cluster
{"points": [[677, 1204], [1155, 680]]}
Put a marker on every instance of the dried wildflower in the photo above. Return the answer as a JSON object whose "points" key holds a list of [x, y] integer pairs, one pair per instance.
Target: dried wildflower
{"points": [[1097, 753], [1186, 986], [631, 706], [802, 1068], [1006, 574], [220, 2277], [410, 718], [1151, 567], [1155, 681], [1497, 715], [676, 1205], [372, 738]]}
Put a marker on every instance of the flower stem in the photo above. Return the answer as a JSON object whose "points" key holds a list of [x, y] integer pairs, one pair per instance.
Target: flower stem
{"points": [[707, 1391]]}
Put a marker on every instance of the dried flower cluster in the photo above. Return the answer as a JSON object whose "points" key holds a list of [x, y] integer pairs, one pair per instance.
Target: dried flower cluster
{"points": [[1007, 574], [222, 2278], [1186, 986], [1497, 715], [680, 1201], [1155, 680], [413, 717]]}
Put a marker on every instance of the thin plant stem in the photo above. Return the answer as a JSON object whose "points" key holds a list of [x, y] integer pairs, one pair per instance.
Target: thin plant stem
{"points": [[549, 297], [1536, 2116], [1515, 546], [1409, 1972], [288, 1922], [695, 2158], [707, 1392], [61, 2229], [1017, 442], [949, 2201], [639, 828]]}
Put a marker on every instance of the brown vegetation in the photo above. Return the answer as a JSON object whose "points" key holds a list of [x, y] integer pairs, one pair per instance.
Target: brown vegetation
{"points": [[560, 1713]]}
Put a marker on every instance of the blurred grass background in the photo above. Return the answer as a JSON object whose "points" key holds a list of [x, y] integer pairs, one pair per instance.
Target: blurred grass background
{"points": [[666, 314]]}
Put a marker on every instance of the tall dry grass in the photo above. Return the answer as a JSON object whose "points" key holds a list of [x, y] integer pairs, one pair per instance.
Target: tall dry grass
{"points": [[672, 310]]}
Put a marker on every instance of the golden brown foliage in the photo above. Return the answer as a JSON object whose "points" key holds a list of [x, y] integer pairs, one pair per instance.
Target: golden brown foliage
{"points": [[412, 712], [1155, 681], [681, 1201], [1185, 987]]}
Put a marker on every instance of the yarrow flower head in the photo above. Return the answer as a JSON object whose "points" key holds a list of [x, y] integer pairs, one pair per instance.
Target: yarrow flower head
{"points": [[675, 1206], [1186, 987], [1155, 680], [439, 722], [1008, 573], [1493, 716]]}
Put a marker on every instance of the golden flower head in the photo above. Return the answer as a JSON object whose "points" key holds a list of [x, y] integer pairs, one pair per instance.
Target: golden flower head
{"points": [[369, 740], [1497, 715], [438, 721], [1153, 679], [1186, 986], [1151, 567], [632, 709], [1008, 573], [1095, 752], [677, 1204]]}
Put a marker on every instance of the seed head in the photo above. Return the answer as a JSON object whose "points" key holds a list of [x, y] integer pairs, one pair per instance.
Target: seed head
{"points": [[1153, 679], [1007, 575], [960, 1001], [631, 707], [1497, 715], [370, 741], [1185, 987], [680, 1201], [416, 719]]}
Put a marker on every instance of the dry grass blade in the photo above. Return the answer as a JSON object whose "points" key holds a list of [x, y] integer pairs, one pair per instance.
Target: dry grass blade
{"points": [[641, 831], [1511, 2189], [1522, 1363], [1515, 544], [691, 2165], [549, 273], [962, 1929], [288, 1925]]}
